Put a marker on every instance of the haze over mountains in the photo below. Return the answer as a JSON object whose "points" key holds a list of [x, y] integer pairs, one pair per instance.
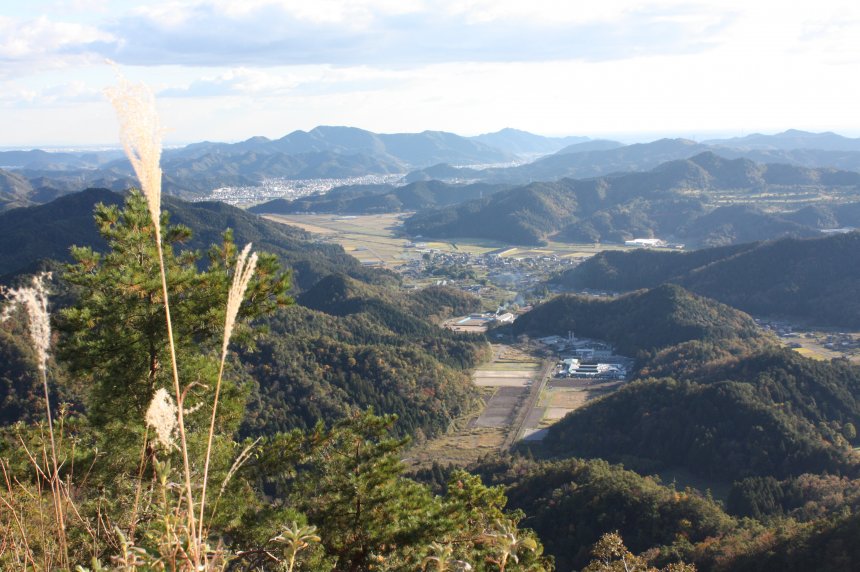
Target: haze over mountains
{"points": [[704, 200], [32, 177], [597, 158]]}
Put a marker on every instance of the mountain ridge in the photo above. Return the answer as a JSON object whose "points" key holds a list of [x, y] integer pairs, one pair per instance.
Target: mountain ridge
{"points": [[813, 280], [667, 201]]}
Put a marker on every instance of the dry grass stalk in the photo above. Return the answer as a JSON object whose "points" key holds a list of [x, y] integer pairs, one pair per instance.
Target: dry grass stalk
{"points": [[237, 464], [24, 546], [140, 133], [34, 299], [242, 274], [139, 487]]}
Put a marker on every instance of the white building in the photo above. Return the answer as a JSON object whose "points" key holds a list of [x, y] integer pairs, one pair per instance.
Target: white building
{"points": [[645, 242]]}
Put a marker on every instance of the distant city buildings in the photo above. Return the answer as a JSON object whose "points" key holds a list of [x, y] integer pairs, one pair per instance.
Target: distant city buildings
{"points": [[292, 189]]}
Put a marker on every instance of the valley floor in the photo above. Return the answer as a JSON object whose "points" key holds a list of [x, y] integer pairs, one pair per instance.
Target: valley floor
{"points": [[521, 401]]}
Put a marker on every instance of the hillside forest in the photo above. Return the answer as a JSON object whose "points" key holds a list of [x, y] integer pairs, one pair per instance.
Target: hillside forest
{"points": [[188, 386]]}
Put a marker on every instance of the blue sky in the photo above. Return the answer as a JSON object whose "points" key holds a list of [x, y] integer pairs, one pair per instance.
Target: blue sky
{"points": [[229, 69]]}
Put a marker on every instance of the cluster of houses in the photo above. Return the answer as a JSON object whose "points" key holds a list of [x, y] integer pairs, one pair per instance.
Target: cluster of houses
{"points": [[517, 273], [845, 342]]}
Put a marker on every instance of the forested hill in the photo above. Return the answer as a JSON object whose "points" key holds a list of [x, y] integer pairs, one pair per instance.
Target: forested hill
{"points": [[15, 190], [643, 321], [47, 231], [813, 280], [349, 344], [360, 341], [674, 199], [712, 394], [368, 199]]}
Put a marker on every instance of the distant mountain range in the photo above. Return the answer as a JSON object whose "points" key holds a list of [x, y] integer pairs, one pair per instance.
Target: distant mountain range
{"points": [[790, 140], [600, 157], [525, 144], [34, 177], [195, 170], [36, 234], [405, 149], [674, 200], [368, 199]]}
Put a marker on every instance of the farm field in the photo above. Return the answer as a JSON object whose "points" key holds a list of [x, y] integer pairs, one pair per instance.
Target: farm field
{"points": [[510, 376], [369, 238], [812, 345], [506, 381], [519, 375], [560, 397], [511, 382], [458, 448], [374, 239]]}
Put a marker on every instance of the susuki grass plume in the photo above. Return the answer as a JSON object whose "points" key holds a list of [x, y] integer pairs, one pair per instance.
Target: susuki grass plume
{"points": [[245, 267], [161, 416], [34, 299], [242, 274], [140, 133]]}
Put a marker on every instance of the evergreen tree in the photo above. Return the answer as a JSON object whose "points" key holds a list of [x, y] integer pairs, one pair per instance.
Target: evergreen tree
{"points": [[115, 336]]}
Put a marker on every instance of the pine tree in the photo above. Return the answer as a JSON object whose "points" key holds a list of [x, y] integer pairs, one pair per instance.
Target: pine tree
{"points": [[115, 336]]}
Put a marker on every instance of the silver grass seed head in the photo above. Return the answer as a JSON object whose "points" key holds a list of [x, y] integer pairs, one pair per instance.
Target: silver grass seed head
{"points": [[161, 416], [34, 299], [242, 274], [140, 133]]}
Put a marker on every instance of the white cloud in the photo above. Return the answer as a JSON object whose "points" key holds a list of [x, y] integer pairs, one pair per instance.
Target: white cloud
{"points": [[350, 13], [29, 39], [228, 69], [13, 94], [81, 6], [236, 82], [35, 45], [297, 81]]}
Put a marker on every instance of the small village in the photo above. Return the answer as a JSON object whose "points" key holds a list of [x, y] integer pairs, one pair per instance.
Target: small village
{"points": [[815, 343], [474, 272]]}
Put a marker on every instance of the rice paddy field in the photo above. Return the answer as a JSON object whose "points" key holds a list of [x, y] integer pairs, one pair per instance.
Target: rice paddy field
{"points": [[509, 382], [812, 345], [369, 238], [374, 239]]}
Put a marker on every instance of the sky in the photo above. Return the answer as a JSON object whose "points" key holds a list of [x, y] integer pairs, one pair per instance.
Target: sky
{"points": [[227, 70]]}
